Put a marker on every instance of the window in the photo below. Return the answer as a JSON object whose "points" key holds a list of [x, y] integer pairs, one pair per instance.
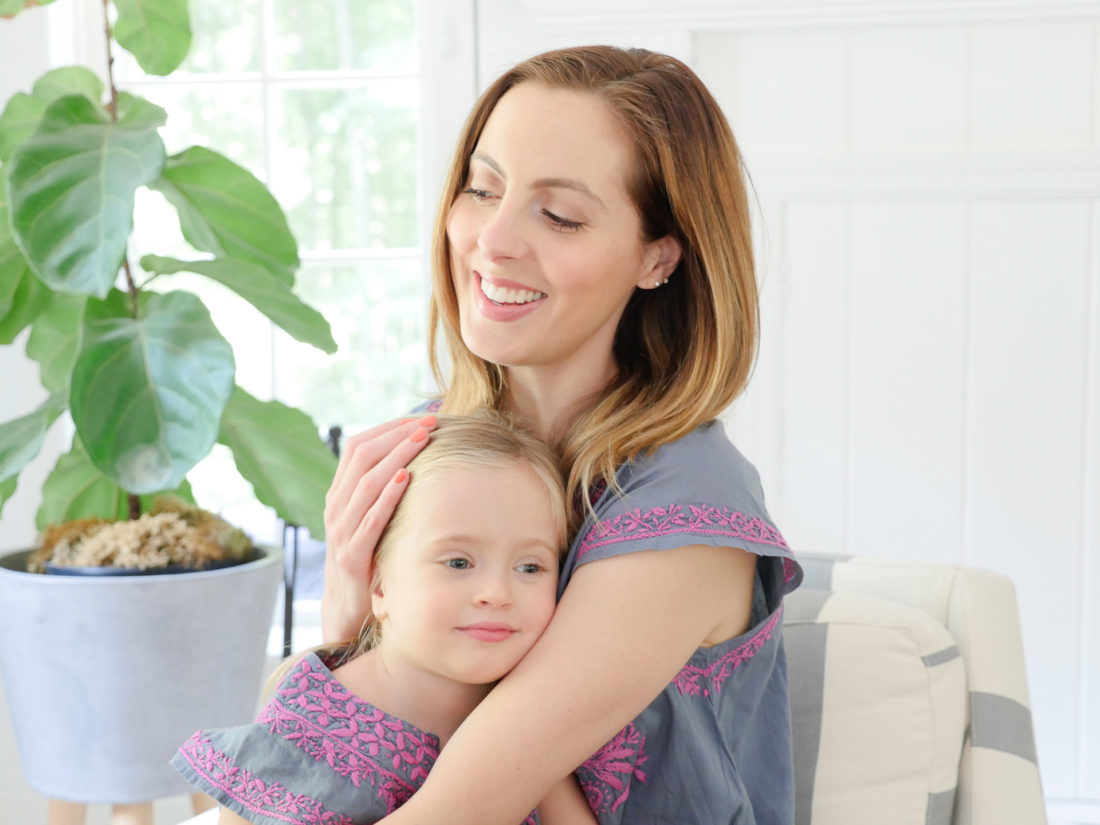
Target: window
{"points": [[322, 101]]}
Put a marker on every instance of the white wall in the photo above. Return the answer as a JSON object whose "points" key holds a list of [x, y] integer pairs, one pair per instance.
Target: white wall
{"points": [[929, 178]]}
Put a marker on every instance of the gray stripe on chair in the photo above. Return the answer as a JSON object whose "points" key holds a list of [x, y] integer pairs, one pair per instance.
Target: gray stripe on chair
{"points": [[805, 645], [941, 807], [817, 571], [941, 656], [1002, 724], [804, 605]]}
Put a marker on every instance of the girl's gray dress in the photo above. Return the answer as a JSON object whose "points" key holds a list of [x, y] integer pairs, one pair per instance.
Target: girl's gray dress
{"points": [[316, 755], [714, 748]]}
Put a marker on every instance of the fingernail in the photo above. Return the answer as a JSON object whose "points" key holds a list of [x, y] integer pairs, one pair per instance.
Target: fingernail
{"points": [[418, 436], [427, 421], [400, 476]]}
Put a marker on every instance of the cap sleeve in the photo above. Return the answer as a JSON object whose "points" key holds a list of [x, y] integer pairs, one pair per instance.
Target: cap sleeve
{"points": [[698, 490]]}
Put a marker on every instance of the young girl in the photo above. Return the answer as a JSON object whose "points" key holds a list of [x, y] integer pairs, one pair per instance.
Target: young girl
{"points": [[593, 277], [463, 584]]}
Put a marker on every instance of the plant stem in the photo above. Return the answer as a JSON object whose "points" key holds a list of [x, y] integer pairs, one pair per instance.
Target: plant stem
{"points": [[112, 107], [135, 506]]}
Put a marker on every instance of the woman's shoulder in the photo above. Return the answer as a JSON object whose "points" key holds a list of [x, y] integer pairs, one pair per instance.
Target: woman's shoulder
{"points": [[704, 468]]}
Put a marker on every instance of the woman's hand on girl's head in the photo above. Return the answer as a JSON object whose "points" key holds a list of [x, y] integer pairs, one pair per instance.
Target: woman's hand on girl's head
{"points": [[369, 482]]}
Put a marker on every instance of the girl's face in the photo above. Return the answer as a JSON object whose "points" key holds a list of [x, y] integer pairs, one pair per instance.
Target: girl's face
{"points": [[546, 246], [468, 582]]}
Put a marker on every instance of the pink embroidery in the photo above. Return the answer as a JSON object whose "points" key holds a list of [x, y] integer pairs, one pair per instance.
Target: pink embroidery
{"points": [[358, 741], [692, 680], [790, 570], [703, 520], [434, 406], [606, 775], [272, 800]]}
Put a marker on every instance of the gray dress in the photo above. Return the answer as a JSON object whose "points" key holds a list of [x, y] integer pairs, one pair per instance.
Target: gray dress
{"points": [[714, 748], [316, 755]]}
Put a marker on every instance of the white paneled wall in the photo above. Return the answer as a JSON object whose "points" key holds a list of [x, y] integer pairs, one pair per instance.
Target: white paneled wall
{"points": [[928, 386]]}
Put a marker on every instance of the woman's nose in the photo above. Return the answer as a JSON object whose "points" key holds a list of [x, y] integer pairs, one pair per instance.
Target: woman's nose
{"points": [[501, 236]]}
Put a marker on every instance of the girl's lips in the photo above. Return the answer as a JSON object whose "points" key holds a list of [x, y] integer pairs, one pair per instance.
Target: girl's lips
{"points": [[488, 631]]}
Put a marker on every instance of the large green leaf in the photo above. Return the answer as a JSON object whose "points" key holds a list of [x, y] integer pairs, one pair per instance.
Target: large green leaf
{"points": [[9, 8], [148, 393], [71, 186], [156, 32], [260, 288], [76, 489], [22, 295], [23, 112], [279, 452], [21, 438], [7, 490], [55, 336], [226, 210]]}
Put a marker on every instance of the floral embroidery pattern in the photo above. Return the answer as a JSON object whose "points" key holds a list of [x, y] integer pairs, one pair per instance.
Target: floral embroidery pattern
{"points": [[607, 774], [358, 741], [693, 681], [269, 799], [703, 520]]}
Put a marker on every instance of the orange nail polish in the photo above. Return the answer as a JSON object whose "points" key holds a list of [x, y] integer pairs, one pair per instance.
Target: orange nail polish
{"points": [[400, 476], [427, 421], [418, 436]]}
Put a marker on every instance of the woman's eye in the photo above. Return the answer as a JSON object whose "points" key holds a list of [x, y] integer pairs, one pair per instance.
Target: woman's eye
{"points": [[562, 223], [478, 195], [530, 568], [458, 564]]}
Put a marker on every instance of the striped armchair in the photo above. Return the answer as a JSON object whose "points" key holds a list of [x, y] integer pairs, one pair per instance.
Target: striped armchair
{"points": [[909, 696]]}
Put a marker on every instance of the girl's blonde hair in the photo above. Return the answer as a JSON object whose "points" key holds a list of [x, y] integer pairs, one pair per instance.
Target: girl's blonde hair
{"points": [[684, 351], [484, 440]]}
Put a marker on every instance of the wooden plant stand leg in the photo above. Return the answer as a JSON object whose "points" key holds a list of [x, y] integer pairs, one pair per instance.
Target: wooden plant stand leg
{"points": [[66, 813], [140, 813], [200, 803]]}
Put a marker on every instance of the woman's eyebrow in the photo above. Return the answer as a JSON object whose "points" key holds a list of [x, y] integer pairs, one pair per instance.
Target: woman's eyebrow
{"points": [[544, 183]]}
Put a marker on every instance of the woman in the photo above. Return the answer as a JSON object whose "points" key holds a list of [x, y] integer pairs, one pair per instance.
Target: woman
{"points": [[593, 278]]}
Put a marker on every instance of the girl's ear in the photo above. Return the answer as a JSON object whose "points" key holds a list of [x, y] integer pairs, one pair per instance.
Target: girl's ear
{"points": [[661, 259], [377, 595]]}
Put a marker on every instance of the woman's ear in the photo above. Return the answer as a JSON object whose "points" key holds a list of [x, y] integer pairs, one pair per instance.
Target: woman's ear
{"points": [[377, 596], [661, 259]]}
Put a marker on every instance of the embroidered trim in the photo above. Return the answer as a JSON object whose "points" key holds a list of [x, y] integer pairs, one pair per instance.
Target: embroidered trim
{"points": [[790, 570], [692, 680], [271, 800], [323, 719], [605, 776], [703, 520]]}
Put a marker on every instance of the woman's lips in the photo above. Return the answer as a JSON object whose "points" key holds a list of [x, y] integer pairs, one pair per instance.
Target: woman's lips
{"points": [[504, 312]]}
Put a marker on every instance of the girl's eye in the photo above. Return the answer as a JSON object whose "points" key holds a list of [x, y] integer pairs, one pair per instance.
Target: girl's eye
{"points": [[531, 568], [562, 223], [458, 564]]}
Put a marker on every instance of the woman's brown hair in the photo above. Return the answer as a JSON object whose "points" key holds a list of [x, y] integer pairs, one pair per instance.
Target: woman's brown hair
{"points": [[684, 351]]}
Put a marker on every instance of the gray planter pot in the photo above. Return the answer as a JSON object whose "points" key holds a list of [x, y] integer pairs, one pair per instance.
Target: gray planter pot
{"points": [[106, 676]]}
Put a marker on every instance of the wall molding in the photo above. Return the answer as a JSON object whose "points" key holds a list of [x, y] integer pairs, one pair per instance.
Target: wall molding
{"points": [[926, 178], [627, 18]]}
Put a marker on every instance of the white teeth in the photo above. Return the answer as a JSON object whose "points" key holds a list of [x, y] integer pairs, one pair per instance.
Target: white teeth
{"points": [[503, 295]]}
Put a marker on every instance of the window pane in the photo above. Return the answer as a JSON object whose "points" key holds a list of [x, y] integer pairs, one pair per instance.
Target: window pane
{"points": [[346, 166], [378, 35], [225, 37], [378, 313], [227, 118]]}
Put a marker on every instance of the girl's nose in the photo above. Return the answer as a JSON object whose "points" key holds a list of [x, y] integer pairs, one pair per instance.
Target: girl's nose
{"points": [[501, 236], [493, 590]]}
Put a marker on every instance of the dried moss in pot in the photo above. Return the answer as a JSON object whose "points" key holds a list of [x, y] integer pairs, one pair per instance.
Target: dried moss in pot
{"points": [[174, 535]]}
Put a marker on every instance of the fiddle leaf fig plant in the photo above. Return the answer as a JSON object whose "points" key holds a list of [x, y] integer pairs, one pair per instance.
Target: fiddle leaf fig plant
{"points": [[140, 366]]}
